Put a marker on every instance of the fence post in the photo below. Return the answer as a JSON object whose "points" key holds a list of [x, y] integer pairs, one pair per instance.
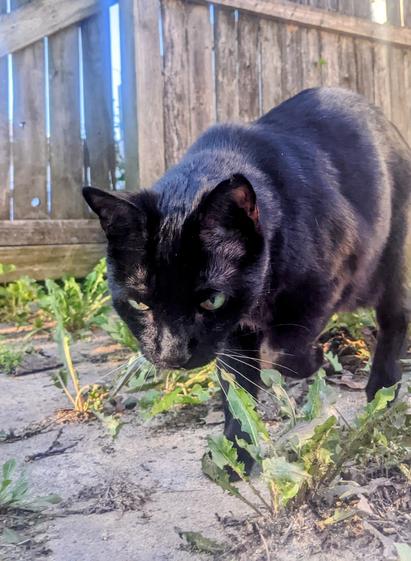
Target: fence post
{"points": [[4, 133], [142, 91]]}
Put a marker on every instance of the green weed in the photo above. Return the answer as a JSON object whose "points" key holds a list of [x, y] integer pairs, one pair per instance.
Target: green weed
{"points": [[354, 322], [10, 358], [316, 446], [15, 493], [119, 331], [19, 299], [78, 304], [166, 390]]}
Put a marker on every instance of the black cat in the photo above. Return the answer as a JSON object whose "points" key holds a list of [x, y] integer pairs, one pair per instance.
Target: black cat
{"points": [[260, 234]]}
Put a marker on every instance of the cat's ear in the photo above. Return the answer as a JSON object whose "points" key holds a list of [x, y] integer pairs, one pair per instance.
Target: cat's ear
{"points": [[114, 209], [232, 203]]}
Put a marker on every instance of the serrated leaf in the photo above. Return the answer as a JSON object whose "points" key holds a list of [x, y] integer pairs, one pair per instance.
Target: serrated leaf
{"points": [[317, 397], [284, 477], [243, 408], [224, 454], [111, 423], [218, 475], [254, 451], [270, 376], [382, 398]]}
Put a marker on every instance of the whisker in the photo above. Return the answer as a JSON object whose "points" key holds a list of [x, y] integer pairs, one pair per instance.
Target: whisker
{"points": [[254, 351], [257, 359], [248, 379], [255, 367]]}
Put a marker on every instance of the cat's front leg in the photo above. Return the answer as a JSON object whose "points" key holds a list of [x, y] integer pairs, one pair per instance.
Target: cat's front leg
{"points": [[240, 358]]}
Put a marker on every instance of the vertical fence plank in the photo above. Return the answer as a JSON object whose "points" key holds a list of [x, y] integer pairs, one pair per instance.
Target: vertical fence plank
{"points": [[382, 78], [100, 147], [362, 8], [201, 83], [176, 88], [346, 57], [407, 12], [142, 92], [396, 72], [311, 67], [271, 57], [128, 30], [4, 132], [66, 150], [330, 75], [364, 56], [407, 63], [346, 7], [226, 57], [394, 11], [291, 74], [248, 73], [398, 98], [29, 131]]}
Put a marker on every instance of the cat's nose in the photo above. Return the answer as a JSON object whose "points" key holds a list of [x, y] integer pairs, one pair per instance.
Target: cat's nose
{"points": [[172, 364]]}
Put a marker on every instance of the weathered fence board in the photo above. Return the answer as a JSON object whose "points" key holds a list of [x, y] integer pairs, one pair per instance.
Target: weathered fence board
{"points": [[37, 19], [66, 151], [143, 101], [51, 261], [292, 77], [226, 56], [348, 69], [176, 87], [248, 65], [181, 71], [54, 232], [330, 71], [311, 49], [100, 147], [382, 89], [4, 132], [129, 105], [364, 60], [29, 131], [321, 19], [271, 57], [201, 82]]}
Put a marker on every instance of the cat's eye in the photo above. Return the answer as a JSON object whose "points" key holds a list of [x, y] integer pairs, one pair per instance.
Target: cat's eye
{"points": [[214, 302], [140, 306]]}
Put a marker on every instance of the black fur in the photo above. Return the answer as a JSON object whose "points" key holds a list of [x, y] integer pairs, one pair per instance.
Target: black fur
{"points": [[294, 217]]}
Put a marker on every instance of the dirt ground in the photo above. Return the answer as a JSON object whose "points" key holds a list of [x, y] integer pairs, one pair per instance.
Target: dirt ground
{"points": [[128, 499]]}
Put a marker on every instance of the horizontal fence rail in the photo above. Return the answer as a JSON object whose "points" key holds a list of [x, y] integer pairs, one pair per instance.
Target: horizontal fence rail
{"points": [[185, 64]]}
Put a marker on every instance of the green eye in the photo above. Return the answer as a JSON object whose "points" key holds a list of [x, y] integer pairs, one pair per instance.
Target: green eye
{"points": [[140, 306], [215, 301]]}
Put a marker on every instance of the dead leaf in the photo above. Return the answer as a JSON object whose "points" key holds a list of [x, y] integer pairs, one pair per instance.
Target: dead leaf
{"points": [[197, 541]]}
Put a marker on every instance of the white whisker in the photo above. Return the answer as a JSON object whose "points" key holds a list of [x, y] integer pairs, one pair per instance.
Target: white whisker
{"points": [[255, 367], [248, 379]]}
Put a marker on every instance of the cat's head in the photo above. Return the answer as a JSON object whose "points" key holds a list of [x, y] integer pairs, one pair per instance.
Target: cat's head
{"points": [[183, 279]]}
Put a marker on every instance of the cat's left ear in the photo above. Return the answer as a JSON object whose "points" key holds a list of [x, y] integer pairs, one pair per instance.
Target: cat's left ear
{"points": [[231, 203]]}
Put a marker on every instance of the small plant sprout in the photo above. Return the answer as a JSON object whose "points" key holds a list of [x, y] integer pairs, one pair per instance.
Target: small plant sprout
{"points": [[10, 359], [168, 389], [18, 299], [15, 494], [86, 398], [78, 305]]}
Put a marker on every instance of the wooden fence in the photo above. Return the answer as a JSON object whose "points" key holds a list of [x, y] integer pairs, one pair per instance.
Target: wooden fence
{"points": [[185, 65]]}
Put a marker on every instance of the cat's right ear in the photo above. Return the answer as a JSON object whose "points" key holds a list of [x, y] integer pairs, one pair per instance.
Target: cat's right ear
{"points": [[115, 210]]}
